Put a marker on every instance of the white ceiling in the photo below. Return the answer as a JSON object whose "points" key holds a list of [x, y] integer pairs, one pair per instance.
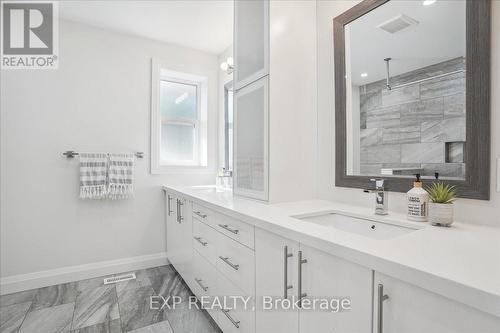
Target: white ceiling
{"points": [[439, 36], [205, 25]]}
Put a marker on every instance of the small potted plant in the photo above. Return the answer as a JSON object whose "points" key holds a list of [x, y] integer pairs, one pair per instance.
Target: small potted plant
{"points": [[441, 198]]}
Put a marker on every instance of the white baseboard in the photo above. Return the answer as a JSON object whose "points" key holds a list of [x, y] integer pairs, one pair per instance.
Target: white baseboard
{"points": [[15, 283]]}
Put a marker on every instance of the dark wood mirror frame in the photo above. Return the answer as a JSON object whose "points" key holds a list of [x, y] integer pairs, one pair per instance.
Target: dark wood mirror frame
{"points": [[476, 184]]}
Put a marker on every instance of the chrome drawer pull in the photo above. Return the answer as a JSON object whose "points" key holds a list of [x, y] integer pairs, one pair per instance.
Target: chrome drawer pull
{"points": [[380, 311], [286, 286], [226, 260], [170, 211], [181, 218], [225, 226], [200, 241], [177, 210], [300, 295], [234, 322], [200, 284], [203, 216]]}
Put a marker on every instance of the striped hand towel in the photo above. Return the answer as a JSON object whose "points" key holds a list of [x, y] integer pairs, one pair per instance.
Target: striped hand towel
{"points": [[121, 176], [93, 175]]}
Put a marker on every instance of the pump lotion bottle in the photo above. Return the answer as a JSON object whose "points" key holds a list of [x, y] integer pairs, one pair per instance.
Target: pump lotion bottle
{"points": [[418, 202]]}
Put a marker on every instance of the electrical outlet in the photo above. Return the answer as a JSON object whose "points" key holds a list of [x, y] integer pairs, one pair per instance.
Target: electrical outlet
{"points": [[498, 175]]}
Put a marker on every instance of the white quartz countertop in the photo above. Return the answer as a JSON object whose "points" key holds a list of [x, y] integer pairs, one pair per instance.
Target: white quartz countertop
{"points": [[461, 262]]}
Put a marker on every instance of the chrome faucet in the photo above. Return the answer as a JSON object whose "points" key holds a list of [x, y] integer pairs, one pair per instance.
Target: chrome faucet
{"points": [[381, 197]]}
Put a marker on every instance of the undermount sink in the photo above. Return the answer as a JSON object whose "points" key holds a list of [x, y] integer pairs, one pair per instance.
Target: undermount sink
{"points": [[361, 226]]}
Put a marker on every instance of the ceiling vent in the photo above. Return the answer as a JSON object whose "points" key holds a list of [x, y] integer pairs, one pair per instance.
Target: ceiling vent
{"points": [[397, 23]]}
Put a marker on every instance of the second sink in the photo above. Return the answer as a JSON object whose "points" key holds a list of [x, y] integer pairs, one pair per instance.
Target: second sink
{"points": [[361, 226]]}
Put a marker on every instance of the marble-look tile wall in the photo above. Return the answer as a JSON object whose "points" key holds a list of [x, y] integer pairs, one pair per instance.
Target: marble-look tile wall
{"points": [[421, 125]]}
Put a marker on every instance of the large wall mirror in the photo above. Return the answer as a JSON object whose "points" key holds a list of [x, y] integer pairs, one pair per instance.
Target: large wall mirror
{"points": [[412, 93]]}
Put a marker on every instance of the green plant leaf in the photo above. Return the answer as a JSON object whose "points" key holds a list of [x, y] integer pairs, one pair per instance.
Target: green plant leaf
{"points": [[440, 192]]}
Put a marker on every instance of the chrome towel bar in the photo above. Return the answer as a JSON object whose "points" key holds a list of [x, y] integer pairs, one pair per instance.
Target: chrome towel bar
{"points": [[72, 153]]}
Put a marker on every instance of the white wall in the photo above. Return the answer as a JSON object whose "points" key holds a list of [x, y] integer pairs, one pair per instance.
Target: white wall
{"points": [[472, 211], [292, 100], [98, 100]]}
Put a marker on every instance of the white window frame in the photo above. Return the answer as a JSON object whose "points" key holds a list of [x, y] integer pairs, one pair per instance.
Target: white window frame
{"points": [[200, 161]]}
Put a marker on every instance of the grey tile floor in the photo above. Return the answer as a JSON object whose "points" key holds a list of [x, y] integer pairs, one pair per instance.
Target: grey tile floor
{"points": [[89, 306]]}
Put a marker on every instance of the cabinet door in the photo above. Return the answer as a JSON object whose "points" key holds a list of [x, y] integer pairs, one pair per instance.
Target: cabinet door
{"points": [[328, 277], [173, 230], [235, 316], [275, 272], [251, 41], [251, 134], [205, 281], [185, 254], [204, 276], [411, 309]]}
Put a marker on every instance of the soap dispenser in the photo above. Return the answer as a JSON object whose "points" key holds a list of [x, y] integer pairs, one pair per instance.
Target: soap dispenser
{"points": [[418, 202]]}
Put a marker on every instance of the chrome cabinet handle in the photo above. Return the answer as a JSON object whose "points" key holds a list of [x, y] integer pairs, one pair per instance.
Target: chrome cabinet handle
{"points": [[225, 226], [286, 286], [380, 311], [168, 205], [179, 211], [200, 284], [200, 214], [236, 323], [300, 294], [226, 260], [200, 241]]}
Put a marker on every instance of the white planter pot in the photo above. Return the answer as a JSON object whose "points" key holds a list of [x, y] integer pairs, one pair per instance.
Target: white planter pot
{"points": [[440, 214]]}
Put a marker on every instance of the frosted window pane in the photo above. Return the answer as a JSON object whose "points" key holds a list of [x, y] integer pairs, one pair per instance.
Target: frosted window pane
{"points": [[178, 100], [177, 142]]}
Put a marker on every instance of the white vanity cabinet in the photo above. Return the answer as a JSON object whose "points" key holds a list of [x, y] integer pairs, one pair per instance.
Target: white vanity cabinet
{"points": [[214, 255], [170, 225], [285, 268], [410, 309], [338, 280], [173, 229], [238, 318], [276, 276], [251, 41], [179, 229], [220, 255]]}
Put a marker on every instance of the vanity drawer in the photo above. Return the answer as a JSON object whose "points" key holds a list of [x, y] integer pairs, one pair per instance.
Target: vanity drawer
{"points": [[204, 276], [236, 319], [205, 240], [237, 230], [237, 263], [203, 214]]}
